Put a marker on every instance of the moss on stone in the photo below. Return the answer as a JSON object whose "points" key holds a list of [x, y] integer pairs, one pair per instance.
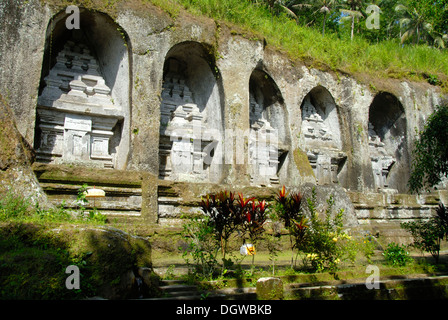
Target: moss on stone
{"points": [[302, 163], [34, 257], [90, 176]]}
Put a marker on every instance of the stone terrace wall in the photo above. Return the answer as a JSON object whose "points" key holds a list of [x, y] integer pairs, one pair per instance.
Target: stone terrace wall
{"points": [[142, 84]]}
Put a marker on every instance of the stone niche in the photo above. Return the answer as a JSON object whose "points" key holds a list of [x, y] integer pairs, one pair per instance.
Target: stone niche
{"points": [[268, 138], [321, 137], [78, 118], [190, 145], [388, 143]]}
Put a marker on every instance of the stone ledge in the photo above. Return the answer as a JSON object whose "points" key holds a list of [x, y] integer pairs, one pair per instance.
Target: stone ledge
{"points": [[91, 176], [128, 193]]}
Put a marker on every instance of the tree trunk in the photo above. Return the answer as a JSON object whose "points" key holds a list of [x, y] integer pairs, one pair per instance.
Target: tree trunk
{"points": [[323, 28], [353, 27], [418, 35]]}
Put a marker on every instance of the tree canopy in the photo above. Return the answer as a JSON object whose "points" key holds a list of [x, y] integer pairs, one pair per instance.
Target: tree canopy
{"points": [[410, 21], [430, 153]]}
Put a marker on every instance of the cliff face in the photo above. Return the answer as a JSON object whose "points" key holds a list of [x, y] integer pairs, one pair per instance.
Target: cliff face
{"points": [[16, 155], [160, 79]]}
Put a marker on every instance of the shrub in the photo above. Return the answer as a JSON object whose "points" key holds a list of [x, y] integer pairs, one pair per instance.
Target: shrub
{"points": [[228, 214], [427, 235], [202, 246], [288, 209], [323, 241], [442, 219], [396, 255], [288, 206], [254, 216], [430, 152], [367, 245], [224, 215], [273, 244]]}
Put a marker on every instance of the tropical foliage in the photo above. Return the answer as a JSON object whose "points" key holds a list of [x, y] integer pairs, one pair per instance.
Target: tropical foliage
{"points": [[318, 237], [428, 234], [410, 21], [397, 255], [319, 32], [228, 214], [430, 153]]}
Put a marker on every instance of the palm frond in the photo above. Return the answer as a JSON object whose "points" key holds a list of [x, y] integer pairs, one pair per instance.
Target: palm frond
{"points": [[407, 35], [289, 12], [352, 13], [400, 7]]}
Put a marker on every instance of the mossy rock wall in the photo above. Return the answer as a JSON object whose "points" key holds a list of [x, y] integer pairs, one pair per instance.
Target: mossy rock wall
{"points": [[16, 156], [34, 259]]}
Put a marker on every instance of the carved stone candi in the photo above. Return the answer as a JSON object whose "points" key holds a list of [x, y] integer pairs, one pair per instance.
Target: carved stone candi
{"points": [[263, 147], [381, 161], [76, 113], [324, 153], [183, 135]]}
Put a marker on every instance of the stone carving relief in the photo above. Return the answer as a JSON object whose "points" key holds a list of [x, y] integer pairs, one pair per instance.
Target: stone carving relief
{"points": [[320, 145], [263, 147], [183, 144], [381, 161], [76, 113]]}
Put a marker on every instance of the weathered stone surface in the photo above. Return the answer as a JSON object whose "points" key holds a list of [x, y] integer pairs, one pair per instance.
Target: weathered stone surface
{"points": [[114, 254], [321, 118], [16, 155], [269, 289], [128, 193], [77, 114], [323, 194]]}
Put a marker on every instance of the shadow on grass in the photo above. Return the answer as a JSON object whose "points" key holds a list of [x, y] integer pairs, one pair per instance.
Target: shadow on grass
{"points": [[34, 258]]}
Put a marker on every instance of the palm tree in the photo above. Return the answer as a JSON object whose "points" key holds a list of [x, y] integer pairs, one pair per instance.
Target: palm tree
{"points": [[280, 4], [414, 23], [353, 11], [440, 40], [322, 6]]}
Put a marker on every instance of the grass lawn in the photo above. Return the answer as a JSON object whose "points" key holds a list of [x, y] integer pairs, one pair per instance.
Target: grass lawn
{"points": [[173, 266]]}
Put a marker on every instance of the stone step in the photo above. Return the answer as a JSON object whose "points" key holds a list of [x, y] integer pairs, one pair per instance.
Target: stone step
{"points": [[233, 294], [171, 282], [391, 289], [178, 288]]}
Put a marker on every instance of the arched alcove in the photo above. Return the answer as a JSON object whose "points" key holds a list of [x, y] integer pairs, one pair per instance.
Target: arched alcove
{"points": [[83, 112], [321, 135], [269, 135], [191, 122], [388, 142]]}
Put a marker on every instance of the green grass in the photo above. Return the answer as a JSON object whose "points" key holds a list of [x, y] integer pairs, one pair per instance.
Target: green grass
{"points": [[349, 272], [386, 58], [19, 209]]}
